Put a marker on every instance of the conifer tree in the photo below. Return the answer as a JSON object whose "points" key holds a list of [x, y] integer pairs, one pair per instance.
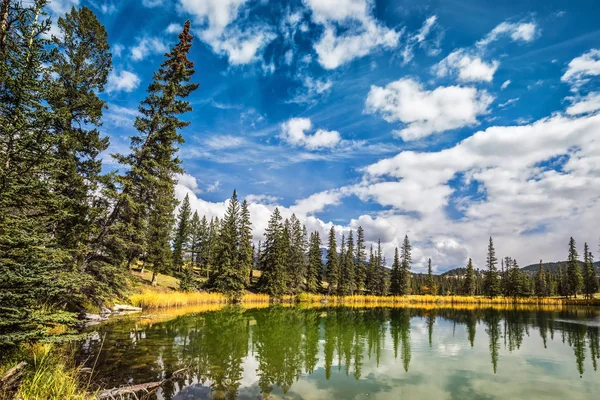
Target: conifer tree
{"points": [[361, 260], [347, 268], [273, 280], [575, 279], [492, 283], [315, 265], [195, 239], [148, 186], [380, 273], [429, 282], [296, 255], [541, 286], [406, 260], [182, 233], [246, 247], [469, 285], [228, 276], [590, 284], [332, 266], [371, 275], [395, 287]]}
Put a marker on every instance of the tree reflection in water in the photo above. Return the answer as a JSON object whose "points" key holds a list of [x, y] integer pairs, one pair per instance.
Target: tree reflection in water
{"points": [[280, 344]]}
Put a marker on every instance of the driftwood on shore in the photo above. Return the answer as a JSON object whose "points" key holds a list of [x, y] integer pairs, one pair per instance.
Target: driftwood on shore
{"points": [[11, 379], [119, 392]]}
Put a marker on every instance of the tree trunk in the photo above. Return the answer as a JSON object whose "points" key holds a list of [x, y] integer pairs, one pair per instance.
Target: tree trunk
{"points": [[154, 278], [3, 24]]}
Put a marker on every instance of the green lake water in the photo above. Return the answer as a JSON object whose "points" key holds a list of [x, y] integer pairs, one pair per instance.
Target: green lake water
{"points": [[344, 353]]}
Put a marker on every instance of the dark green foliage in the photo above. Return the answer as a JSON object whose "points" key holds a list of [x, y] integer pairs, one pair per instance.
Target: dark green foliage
{"points": [[575, 279], [347, 268], [541, 284], [246, 249], [429, 282], [182, 233], [273, 280], [405, 261], [313, 272], [381, 285], [296, 256], [590, 283], [395, 289], [332, 267], [360, 265], [469, 285], [492, 281]]}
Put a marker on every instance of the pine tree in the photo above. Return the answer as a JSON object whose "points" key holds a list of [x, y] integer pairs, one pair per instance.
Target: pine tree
{"points": [[492, 283], [195, 239], [541, 286], [246, 247], [332, 266], [148, 186], [229, 276], [590, 284], [360, 260], [395, 288], [380, 273], [470, 284], [406, 260], [371, 273], [296, 256], [347, 268], [273, 280], [182, 233], [429, 282], [315, 265], [575, 279]]}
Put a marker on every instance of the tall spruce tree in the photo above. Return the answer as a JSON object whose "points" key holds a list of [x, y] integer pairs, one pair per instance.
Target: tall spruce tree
{"points": [[246, 247], [429, 281], [315, 265], [395, 288], [575, 279], [195, 239], [371, 273], [296, 256], [181, 236], [492, 283], [405, 261], [228, 276], [347, 280], [541, 285], [273, 280], [146, 202], [380, 273], [332, 267], [470, 283], [590, 283], [361, 260]]}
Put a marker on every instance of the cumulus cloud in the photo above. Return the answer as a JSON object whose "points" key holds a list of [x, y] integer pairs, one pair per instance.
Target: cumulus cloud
{"points": [[241, 46], [188, 181], [311, 90], [350, 31], [124, 81], [147, 46], [294, 131], [174, 28], [425, 112], [468, 67], [518, 32], [583, 105], [505, 84], [581, 68]]}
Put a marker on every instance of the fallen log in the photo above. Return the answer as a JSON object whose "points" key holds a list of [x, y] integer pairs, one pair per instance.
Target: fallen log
{"points": [[149, 387], [11, 379], [125, 307]]}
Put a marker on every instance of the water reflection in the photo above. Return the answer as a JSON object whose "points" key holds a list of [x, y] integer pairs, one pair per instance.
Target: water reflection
{"points": [[267, 351]]}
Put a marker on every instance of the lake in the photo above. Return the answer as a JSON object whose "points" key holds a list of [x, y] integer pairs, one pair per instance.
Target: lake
{"points": [[346, 353]]}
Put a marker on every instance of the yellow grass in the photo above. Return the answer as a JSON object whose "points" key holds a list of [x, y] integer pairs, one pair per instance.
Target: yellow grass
{"points": [[153, 299]]}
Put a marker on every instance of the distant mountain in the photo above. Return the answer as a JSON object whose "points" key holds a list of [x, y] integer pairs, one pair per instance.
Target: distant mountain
{"points": [[553, 266]]}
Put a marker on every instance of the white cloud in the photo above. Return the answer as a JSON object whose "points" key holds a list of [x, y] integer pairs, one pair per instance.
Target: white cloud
{"points": [[152, 3], [581, 68], [312, 90], [62, 6], [294, 131], [147, 46], [468, 67], [120, 116], [241, 46], [361, 33], [425, 112], [418, 39], [174, 28], [518, 32], [222, 142], [584, 105], [117, 50], [505, 84], [122, 81], [508, 102], [216, 185], [188, 181]]}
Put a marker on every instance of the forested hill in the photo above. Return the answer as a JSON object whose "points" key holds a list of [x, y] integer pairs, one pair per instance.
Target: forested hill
{"points": [[549, 266]]}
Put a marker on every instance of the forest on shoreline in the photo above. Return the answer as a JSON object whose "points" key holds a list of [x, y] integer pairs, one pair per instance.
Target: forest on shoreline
{"points": [[70, 233]]}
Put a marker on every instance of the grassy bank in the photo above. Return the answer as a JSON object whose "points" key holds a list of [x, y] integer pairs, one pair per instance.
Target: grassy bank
{"points": [[50, 374]]}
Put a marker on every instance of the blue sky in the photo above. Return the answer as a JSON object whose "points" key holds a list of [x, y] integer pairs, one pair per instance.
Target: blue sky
{"points": [[448, 121]]}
